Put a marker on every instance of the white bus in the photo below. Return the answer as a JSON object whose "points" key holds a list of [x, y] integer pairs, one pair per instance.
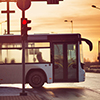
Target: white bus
{"points": [[48, 58]]}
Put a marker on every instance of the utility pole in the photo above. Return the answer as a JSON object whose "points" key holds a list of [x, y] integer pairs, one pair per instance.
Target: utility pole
{"points": [[8, 16]]}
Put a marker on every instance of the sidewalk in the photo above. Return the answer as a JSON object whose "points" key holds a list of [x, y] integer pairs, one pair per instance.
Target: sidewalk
{"points": [[9, 93], [28, 97]]}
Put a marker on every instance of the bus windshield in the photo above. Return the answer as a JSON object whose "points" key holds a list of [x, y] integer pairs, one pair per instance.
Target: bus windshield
{"points": [[81, 53]]}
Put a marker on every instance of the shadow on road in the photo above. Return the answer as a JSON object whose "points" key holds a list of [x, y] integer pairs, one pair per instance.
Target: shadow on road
{"points": [[66, 92], [45, 93], [9, 91]]}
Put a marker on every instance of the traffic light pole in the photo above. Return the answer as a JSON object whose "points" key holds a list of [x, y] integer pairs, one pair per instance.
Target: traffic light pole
{"points": [[23, 13], [23, 62], [24, 5]]}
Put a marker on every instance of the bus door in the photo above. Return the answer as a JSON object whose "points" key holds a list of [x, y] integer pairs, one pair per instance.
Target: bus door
{"points": [[64, 62], [72, 66]]}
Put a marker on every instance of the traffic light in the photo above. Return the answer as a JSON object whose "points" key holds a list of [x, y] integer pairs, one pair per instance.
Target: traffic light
{"points": [[28, 22], [24, 27]]}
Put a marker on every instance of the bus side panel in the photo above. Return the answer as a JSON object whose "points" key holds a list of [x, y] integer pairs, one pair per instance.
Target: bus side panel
{"points": [[10, 73], [47, 68], [81, 72]]}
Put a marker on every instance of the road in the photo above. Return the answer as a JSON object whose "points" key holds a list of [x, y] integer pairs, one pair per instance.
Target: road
{"points": [[88, 90]]}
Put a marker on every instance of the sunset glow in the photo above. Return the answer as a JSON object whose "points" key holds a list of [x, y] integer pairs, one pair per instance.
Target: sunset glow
{"points": [[50, 19]]}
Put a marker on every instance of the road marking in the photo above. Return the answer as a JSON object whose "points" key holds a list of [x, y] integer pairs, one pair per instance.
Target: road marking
{"points": [[51, 93], [79, 95]]}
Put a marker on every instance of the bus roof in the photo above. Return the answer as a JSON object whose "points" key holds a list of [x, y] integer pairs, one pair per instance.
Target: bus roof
{"points": [[41, 38]]}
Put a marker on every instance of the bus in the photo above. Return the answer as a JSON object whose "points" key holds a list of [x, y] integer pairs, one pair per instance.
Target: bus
{"points": [[49, 58]]}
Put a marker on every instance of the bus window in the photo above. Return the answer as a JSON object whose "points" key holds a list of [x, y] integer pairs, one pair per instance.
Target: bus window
{"points": [[39, 52], [10, 53], [38, 44], [58, 61], [11, 56], [71, 56], [11, 45], [39, 55]]}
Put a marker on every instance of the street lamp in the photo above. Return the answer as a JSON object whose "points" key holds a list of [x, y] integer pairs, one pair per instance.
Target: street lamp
{"points": [[71, 23], [1, 26], [99, 41], [95, 7]]}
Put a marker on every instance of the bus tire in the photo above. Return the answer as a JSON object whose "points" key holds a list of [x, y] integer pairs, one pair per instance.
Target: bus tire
{"points": [[36, 79]]}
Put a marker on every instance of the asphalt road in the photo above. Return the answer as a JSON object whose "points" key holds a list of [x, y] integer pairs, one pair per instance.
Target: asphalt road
{"points": [[88, 90]]}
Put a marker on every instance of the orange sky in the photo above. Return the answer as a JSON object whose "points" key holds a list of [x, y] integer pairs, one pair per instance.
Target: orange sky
{"points": [[50, 18]]}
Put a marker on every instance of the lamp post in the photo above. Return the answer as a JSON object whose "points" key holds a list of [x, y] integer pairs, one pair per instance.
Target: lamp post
{"points": [[1, 26], [71, 24], [95, 7], [98, 41]]}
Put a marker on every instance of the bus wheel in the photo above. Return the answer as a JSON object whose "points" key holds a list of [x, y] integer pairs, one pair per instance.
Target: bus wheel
{"points": [[36, 79]]}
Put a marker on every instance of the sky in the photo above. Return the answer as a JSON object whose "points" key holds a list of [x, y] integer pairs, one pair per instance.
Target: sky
{"points": [[50, 19]]}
